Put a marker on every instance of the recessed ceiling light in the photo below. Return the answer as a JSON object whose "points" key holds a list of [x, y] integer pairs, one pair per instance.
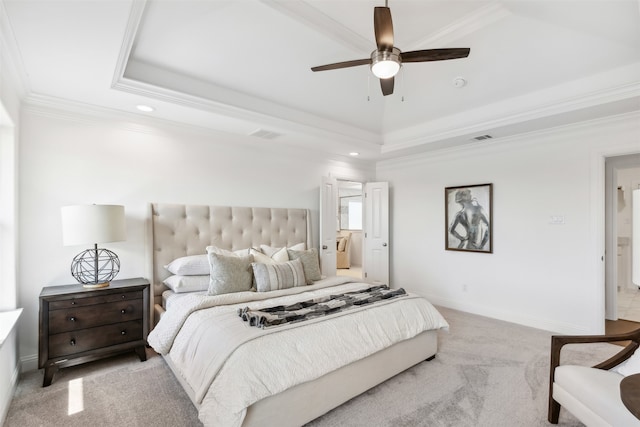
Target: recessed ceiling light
{"points": [[354, 153], [145, 108]]}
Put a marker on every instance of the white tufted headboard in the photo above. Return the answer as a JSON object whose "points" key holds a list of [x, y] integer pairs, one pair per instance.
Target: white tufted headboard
{"points": [[181, 230]]}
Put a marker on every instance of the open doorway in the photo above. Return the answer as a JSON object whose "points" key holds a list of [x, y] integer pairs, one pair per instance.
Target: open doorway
{"points": [[628, 292], [623, 295], [349, 235]]}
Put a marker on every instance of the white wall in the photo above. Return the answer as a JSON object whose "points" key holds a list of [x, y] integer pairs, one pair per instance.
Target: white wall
{"points": [[10, 92], [66, 159], [540, 274]]}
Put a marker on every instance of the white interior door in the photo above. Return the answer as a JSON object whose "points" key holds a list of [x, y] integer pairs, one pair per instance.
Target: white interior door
{"points": [[328, 225], [375, 262]]}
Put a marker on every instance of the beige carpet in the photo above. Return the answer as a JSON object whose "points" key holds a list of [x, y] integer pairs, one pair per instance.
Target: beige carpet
{"points": [[487, 373]]}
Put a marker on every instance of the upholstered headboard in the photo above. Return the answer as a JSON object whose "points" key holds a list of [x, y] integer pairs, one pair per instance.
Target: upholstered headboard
{"points": [[181, 230]]}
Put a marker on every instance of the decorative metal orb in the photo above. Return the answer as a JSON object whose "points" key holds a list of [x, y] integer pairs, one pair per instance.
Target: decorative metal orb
{"points": [[95, 266]]}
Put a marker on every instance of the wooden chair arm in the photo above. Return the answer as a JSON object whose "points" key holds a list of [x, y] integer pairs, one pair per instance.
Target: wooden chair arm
{"points": [[559, 341]]}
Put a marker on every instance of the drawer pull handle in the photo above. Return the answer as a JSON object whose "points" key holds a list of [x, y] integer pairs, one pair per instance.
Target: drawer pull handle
{"points": [[123, 333], [72, 319], [123, 311], [124, 296], [73, 303], [73, 341]]}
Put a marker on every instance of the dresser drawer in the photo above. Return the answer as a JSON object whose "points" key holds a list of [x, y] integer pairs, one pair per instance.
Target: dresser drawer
{"points": [[72, 319], [73, 342], [80, 302]]}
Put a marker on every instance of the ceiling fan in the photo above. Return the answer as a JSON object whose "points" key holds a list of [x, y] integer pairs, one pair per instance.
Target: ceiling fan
{"points": [[386, 60]]}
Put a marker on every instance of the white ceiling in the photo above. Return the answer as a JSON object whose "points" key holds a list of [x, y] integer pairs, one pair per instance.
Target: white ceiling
{"points": [[243, 65]]}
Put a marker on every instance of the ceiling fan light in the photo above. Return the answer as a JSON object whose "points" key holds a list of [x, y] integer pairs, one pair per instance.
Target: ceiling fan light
{"points": [[385, 64]]}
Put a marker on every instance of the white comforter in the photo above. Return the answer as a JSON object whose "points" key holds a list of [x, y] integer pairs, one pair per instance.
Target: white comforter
{"points": [[230, 365]]}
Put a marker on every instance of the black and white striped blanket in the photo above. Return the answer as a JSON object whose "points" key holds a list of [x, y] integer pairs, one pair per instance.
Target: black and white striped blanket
{"points": [[305, 310]]}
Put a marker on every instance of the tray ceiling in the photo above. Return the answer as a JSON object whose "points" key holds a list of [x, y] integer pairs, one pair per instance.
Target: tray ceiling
{"points": [[241, 66]]}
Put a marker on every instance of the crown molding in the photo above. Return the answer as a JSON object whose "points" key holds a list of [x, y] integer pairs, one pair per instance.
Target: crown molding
{"points": [[512, 142], [279, 116], [133, 23], [91, 115], [532, 106]]}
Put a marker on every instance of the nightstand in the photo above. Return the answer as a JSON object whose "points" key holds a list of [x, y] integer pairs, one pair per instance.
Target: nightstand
{"points": [[78, 325]]}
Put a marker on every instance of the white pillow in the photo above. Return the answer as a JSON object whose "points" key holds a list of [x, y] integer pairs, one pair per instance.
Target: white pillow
{"points": [[298, 247], [182, 284], [630, 366], [283, 275], [229, 273], [276, 254], [262, 258], [280, 254], [220, 251], [192, 265]]}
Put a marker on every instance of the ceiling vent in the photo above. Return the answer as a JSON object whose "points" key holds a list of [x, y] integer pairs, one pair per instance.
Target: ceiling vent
{"points": [[482, 137], [264, 134]]}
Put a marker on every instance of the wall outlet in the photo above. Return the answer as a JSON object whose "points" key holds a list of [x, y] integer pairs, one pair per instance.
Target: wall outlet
{"points": [[464, 288], [556, 219]]}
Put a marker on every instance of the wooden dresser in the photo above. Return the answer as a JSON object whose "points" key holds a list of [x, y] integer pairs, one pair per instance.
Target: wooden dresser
{"points": [[78, 325]]}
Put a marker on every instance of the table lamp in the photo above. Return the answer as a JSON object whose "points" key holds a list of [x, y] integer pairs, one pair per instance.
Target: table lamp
{"points": [[93, 224]]}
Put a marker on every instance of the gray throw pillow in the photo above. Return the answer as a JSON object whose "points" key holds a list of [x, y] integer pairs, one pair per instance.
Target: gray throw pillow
{"points": [[282, 275], [229, 273], [310, 263]]}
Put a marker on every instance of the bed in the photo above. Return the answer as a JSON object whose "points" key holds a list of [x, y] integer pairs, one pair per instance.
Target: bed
{"points": [[289, 374]]}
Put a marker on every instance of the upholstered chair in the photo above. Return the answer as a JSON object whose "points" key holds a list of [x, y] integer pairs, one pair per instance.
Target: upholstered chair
{"points": [[594, 394], [343, 257]]}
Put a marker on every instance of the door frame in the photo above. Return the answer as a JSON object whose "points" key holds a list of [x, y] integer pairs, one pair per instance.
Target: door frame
{"points": [[363, 182], [612, 165]]}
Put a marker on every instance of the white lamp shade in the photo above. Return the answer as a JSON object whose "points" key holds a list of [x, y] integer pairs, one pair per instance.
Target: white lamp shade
{"points": [[91, 224]]}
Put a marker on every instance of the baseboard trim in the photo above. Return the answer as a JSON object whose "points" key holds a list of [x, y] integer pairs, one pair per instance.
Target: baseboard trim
{"points": [[508, 316], [29, 363]]}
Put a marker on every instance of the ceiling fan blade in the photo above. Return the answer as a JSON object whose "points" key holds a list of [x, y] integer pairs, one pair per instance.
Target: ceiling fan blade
{"points": [[383, 27], [387, 86], [434, 54], [344, 64]]}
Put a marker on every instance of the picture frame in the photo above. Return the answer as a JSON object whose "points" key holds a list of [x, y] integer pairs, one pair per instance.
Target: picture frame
{"points": [[469, 218]]}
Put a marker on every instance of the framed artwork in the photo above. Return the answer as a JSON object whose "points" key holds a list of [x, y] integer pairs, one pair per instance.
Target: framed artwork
{"points": [[468, 216]]}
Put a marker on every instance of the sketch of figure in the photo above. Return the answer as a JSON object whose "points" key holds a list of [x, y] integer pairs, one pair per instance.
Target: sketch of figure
{"points": [[470, 224]]}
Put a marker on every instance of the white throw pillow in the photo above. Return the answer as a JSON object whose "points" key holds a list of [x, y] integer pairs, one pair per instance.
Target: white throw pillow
{"points": [[630, 366], [280, 254], [220, 251], [283, 275], [276, 254], [229, 273], [260, 257], [192, 265], [182, 284]]}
